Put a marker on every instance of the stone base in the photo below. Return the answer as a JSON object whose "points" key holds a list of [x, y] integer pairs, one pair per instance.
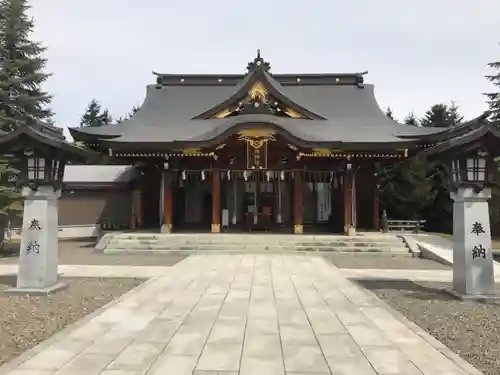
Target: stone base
{"points": [[215, 228], [472, 297], [166, 228], [38, 292], [298, 229]]}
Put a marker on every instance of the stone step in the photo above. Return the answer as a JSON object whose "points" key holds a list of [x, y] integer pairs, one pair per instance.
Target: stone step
{"points": [[255, 250], [121, 241]]}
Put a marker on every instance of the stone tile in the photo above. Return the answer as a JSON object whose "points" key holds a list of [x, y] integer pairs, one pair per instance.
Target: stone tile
{"points": [[263, 326], [297, 335], [86, 364], [186, 344], [262, 311], [159, 331], [138, 355], [389, 361], [326, 323], [262, 346], [350, 366], [304, 358], [227, 333], [30, 372], [123, 372], [90, 331], [293, 317], [339, 346], [56, 355], [353, 317], [202, 372], [367, 336], [173, 364], [262, 366], [109, 344], [220, 357]]}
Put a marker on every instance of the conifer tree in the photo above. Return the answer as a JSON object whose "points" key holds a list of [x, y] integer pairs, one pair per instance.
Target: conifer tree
{"points": [[22, 101], [442, 116], [388, 113], [411, 119], [493, 98], [95, 116]]}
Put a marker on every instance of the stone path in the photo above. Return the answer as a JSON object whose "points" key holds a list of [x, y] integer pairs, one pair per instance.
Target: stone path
{"points": [[243, 315]]}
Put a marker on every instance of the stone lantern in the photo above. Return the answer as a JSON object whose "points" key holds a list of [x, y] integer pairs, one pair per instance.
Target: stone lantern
{"points": [[40, 154], [470, 150]]}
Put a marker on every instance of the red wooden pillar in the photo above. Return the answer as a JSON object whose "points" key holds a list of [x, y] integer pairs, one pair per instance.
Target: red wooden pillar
{"points": [[216, 202], [167, 203], [297, 204], [348, 204], [135, 217]]}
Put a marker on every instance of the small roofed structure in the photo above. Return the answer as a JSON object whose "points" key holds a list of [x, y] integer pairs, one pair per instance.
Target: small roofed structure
{"points": [[258, 151]]}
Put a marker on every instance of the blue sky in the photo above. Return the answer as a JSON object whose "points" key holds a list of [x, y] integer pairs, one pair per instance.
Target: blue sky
{"points": [[418, 53]]}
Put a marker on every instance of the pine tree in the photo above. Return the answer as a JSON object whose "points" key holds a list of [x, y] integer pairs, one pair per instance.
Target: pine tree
{"points": [[22, 101], [411, 119], [494, 97], [95, 116], [388, 113], [442, 116], [129, 115]]}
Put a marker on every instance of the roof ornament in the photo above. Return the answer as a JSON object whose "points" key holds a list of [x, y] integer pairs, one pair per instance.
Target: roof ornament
{"points": [[258, 63]]}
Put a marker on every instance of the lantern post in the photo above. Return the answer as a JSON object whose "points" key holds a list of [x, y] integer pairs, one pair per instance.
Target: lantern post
{"points": [[40, 154], [471, 181]]}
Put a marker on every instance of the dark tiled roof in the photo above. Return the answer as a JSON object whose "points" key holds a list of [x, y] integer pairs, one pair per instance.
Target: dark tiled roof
{"points": [[346, 112]]}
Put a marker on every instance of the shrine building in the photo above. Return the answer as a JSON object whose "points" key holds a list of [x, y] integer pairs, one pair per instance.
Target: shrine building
{"points": [[259, 151]]}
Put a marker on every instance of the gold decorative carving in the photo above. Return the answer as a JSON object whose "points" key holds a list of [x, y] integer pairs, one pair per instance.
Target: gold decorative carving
{"points": [[257, 140], [292, 147], [223, 114], [292, 113], [321, 151], [220, 147], [191, 151], [258, 90]]}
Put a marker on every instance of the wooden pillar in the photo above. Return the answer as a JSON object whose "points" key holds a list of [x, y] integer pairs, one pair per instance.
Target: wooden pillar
{"points": [[297, 204], [376, 205], [167, 203], [216, 201], [348, 203]]}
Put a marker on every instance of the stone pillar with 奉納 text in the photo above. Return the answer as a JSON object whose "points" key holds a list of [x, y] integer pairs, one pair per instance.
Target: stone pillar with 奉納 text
{"points": [[473, 271], [38, 256]]}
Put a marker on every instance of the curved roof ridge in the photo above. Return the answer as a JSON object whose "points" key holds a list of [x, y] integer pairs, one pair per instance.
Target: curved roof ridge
{"points": [[241, 90]]}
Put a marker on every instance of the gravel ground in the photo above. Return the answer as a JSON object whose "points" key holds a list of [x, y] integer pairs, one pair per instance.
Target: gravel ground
{"points": [[25, 321], [471, 329], [82, 252], [383, 261]]}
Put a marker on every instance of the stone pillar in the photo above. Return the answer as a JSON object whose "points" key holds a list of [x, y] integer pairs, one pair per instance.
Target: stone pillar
{"points": [[348, 202], [38, 257], [297, 204], [216, 202], [473, 273], [167, 203]]}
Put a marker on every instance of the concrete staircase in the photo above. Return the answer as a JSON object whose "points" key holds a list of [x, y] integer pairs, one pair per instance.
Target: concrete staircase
{"points": [[249, 243]]}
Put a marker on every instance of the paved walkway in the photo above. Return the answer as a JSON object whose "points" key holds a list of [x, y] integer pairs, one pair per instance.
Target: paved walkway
{"points": [[242, 315]]}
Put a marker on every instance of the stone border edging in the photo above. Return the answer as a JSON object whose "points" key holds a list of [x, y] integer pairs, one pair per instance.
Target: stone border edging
{"points": [[433, 342], [30, 353], [103, 242]]}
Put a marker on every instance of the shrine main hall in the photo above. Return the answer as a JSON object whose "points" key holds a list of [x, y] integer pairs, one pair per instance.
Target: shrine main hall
{"points": [[258, 151]]}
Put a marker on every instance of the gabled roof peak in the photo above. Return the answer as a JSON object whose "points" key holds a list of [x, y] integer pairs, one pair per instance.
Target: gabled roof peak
{"points": [[258, 63]]}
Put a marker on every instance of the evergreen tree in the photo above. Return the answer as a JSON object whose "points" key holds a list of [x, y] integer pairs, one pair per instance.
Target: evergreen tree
{"points": [[411, 119], [388, 113], [494, 97], [129, 115], [95, 116], [22, 101], [441, 116]]}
